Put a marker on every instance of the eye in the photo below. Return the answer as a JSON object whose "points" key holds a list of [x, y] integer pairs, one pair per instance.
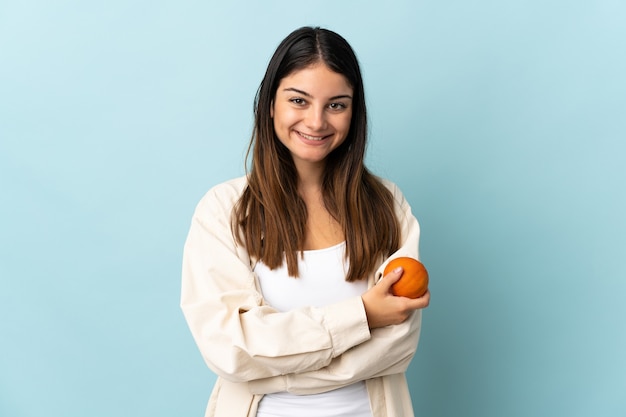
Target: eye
{"points": [[337, 106], [298, 101]]}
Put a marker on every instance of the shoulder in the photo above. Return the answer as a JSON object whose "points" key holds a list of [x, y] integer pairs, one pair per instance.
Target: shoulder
{"points": [[224, 195], [229, 189], [394, 190], [390, 185], [403, 208]]}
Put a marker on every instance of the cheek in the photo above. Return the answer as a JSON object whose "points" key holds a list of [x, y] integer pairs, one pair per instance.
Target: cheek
{"points": [[284, 116], [345, 123]]}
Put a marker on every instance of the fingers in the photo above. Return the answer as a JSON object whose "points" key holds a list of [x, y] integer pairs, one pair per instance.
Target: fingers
{"points": [[383, 308], [391, 278], [421, 302], [394, 276]]}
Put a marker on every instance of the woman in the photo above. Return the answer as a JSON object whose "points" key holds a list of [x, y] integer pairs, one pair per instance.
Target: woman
{"points": [[282, 285]]}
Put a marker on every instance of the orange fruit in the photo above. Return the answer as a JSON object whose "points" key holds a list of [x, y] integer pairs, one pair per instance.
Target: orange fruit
{"points": [[414, 280]]}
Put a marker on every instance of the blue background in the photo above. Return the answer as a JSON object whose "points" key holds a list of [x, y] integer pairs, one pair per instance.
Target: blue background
{"points": [[503, 122]]}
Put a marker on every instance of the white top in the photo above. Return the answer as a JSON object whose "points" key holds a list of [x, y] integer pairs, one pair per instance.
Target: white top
{"points": [[321, 281]]}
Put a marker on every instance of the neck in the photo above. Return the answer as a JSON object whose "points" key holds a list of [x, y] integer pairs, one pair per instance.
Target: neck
{"points": [[310, 177]]}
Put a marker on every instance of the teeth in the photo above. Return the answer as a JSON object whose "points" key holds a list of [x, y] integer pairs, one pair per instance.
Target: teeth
{"points": [[318, 138]]}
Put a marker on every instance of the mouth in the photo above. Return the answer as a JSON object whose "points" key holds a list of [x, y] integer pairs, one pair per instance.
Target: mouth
{"points": [[310, 137]]}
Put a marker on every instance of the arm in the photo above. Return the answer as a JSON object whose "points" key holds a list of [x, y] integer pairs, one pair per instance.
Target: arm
{"points": [[389, 351], [390, 348], [240, 338]]}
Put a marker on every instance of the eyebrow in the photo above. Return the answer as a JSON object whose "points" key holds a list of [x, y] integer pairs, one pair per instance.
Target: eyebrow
{"points": [[304, 93]]}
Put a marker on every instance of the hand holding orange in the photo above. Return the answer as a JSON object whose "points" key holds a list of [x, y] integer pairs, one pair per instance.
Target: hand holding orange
{"points": [[414, 280]]}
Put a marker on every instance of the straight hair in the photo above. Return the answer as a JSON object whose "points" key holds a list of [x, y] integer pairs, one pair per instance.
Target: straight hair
{"points": [[270, 218]]}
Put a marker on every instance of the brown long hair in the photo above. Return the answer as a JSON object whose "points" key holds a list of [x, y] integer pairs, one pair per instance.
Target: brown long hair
{"points": [[270, 217]]}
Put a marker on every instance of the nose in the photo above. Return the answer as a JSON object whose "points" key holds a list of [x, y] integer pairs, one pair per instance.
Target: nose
{"points": [[315, 118]]}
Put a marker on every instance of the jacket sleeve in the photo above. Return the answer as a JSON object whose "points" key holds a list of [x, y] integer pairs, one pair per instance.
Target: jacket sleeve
{"points": [[239, 337], [388, 351]]}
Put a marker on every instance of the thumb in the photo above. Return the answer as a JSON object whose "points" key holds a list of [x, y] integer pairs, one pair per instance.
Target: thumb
{"points": [[391, 278]]}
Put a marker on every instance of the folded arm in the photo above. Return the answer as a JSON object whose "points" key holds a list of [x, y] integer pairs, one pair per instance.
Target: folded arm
{"points": [[240, 338]]}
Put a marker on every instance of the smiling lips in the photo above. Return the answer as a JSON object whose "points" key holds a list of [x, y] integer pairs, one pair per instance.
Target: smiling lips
{"points": [[313, 138]]}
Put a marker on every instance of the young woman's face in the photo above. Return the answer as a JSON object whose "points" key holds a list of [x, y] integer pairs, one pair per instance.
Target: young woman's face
{"points": [[312, 112]]}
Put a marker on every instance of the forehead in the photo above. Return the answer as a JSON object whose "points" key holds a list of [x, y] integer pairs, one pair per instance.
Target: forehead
{"points": [[316, 79]]}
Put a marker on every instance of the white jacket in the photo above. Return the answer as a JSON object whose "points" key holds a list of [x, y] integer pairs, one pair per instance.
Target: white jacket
{"points": [[255, 349]]}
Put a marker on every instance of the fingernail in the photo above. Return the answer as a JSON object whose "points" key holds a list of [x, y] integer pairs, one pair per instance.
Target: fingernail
{"points": [[398, 270]]}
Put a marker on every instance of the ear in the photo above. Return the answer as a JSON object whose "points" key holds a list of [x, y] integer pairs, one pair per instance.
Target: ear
{"points": [[272, 109]]}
